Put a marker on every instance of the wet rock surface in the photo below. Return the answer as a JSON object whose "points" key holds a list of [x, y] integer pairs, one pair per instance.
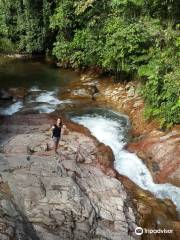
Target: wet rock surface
{"points": [[76, 194], [18, 93], [13, 94], [67, 196], [5, 95], [124, 97], [152, 213], [85, 89], [161, 153], [159, 150]]}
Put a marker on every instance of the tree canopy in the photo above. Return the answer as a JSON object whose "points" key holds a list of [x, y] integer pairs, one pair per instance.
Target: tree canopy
{"points": [[137, 37]]}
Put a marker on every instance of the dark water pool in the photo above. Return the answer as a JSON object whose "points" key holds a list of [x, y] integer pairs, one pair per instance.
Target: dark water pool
{"points": [[33, 73], [43, 82]]}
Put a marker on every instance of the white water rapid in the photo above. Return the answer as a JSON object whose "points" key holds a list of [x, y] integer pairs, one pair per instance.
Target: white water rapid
{"points": [[41, 100], [11, 109], [112, 132]]}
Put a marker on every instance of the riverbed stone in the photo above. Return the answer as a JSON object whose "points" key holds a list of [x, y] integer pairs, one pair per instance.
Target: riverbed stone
{"points": [[5, 95], [65, 197], [18, 93]]}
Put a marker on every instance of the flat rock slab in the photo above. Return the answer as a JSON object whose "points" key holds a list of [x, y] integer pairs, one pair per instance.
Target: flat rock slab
{"points": [[65, 196]]}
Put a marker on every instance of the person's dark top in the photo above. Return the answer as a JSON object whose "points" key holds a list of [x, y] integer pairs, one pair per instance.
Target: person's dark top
{"points": [[56, 132]]}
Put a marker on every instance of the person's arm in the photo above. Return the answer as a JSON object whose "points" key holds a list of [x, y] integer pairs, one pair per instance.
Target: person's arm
{"points": [[51, 129]]}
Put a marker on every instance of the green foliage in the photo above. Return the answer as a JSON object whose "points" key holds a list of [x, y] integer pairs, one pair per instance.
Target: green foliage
{"points": [[6, 46], [162, 90], [78, 38], [63, 15], [126, 45], [81, 51], [129, 36], [25, 24]]}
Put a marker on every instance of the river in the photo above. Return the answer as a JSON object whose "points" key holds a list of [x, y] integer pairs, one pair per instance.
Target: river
{"points": [[44, 84]]}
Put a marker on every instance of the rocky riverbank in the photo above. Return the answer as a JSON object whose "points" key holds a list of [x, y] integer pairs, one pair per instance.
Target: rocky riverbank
{"points": [[115, 205], [76, 195], [159, 149], [64, 197]]}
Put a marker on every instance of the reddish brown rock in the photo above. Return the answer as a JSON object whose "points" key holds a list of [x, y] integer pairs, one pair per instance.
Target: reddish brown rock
{"points": [[123, 97], [152, 213], [105, 156], [161, 153], [18, 93]]}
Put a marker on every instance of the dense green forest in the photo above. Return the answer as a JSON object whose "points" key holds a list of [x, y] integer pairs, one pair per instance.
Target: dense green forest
{"points": [[134, 37]]}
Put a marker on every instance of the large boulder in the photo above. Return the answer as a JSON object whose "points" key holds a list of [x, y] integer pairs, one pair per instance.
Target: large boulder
{"points": [[67, 196]]}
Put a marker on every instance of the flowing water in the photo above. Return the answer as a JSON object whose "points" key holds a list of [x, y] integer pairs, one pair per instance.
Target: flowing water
{"points": [[44, 85], [111, 129]]}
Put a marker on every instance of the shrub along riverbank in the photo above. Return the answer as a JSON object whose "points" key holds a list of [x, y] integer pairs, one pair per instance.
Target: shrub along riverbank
{"points": [[135, 37]]}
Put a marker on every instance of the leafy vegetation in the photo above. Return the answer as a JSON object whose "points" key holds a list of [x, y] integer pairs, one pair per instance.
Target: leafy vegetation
{"points": [[24, 25], [130, 36]]}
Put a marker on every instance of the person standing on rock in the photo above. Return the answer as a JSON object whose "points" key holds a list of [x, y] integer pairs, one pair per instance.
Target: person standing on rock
{"points": [[56, 133]]}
